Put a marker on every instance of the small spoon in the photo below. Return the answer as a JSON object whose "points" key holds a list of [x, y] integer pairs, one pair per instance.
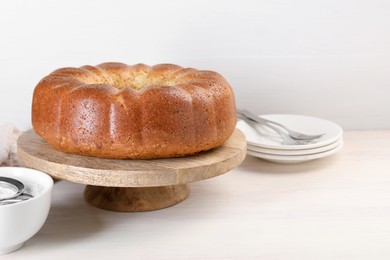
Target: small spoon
{"points": [[19, 198]]}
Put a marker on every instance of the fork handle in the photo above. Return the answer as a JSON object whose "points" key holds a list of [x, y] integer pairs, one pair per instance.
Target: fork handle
{"points": [[252, 117]]}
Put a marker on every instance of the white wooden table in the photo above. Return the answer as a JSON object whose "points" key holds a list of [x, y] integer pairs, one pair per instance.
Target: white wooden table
{"points": [[332, 208]]}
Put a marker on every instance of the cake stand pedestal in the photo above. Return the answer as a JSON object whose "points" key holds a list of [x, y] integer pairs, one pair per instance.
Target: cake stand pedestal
{"points": [[131, 185]]}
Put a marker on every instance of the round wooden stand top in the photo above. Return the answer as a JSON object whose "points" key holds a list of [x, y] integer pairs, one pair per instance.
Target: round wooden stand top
{"points": [[35, 153]]}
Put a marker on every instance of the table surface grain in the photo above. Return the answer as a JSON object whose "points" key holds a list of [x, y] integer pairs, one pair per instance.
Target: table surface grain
{"points": [[332, 208]]}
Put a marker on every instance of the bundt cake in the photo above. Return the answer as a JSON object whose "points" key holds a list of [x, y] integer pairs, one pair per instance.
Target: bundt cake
{"points": [[114, 110]]}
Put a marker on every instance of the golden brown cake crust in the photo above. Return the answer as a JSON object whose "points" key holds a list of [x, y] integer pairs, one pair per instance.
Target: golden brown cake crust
{"points": [[114, 110]]}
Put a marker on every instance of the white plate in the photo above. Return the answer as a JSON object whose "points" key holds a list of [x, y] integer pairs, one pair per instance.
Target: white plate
{"points": [[265, 137], [294, 158], [295, 152]]}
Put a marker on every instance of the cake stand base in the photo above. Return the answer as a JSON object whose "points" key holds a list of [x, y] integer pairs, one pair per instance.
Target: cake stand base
{"points": [[135, 199]]}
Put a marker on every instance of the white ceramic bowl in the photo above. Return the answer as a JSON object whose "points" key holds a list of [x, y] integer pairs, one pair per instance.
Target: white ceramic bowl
{"points": [[22, 220]]}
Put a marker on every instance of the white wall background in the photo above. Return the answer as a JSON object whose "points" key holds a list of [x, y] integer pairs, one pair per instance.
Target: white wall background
{"points": [[325, 58]]}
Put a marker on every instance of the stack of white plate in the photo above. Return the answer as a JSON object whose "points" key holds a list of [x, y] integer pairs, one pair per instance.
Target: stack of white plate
{"points": [[265, 143]]}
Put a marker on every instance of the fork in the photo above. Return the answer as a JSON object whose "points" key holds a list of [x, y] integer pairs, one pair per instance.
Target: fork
{"points": [[293, 134], [286, 139]]}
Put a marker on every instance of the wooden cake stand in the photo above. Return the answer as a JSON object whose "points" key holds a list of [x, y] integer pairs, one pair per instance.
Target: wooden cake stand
{"points": [[131, 185]]}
